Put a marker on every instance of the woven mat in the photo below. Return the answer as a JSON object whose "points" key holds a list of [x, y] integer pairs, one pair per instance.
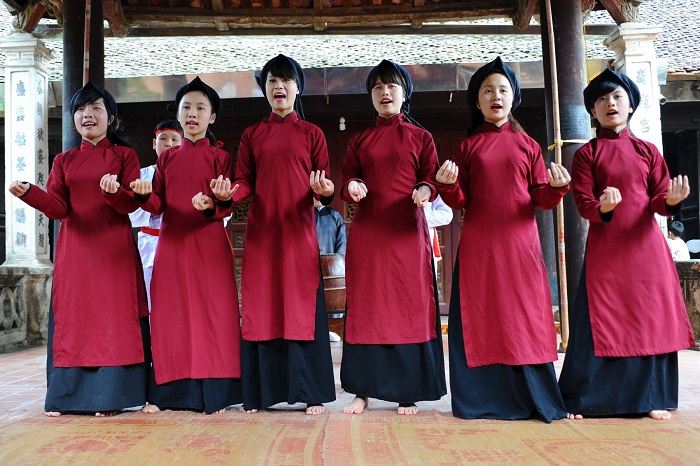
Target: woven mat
{"points": [[374, 438]]}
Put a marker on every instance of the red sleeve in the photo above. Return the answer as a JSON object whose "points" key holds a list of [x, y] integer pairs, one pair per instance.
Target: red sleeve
{"points": [[123, 201], [155, 202], [428, 166], [54, 201], [352, 171], [319, 154], [543, 195], [658, 181], [246, 170], [583, 184], [225, 168], [453, 194]]}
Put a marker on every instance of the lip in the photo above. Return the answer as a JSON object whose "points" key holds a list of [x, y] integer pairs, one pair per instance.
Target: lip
{"points": [[191, 123], [612, 113], [386, 101], [496, 107]]}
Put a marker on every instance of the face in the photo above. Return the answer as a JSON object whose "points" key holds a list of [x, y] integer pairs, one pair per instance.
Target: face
{"points": [[194, 115], [92, 120], [281, 93], [613, 110], [166, 140], [495, 99], [387, 98]]}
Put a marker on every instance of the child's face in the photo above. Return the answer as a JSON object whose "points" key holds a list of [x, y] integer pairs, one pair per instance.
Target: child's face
{"points": [[495, 99], [165, 140], [194, 115], [387, 98], [281, 93], [612, 110], [92, 120]]}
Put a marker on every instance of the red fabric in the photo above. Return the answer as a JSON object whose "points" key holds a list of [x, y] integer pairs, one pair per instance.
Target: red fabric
{"points": [[389, 278], [436, 244], [195, 330], [634, 295], [504, 290], [98, 291], [150, 231], [280, 273]]}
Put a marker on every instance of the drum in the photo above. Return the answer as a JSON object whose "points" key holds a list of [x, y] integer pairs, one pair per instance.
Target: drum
{"points": [[333, 272]]}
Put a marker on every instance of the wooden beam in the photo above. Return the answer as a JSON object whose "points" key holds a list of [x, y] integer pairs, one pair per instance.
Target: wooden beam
{"points": [[28, 17], [622, 11], [114, 14], [522, 17]]}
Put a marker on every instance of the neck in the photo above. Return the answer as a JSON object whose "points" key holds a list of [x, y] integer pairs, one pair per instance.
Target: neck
{"points": [[96, 140], [282, 114]]}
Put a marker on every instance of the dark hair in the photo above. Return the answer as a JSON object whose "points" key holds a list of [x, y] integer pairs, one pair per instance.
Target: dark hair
{"points": [[385, 74], [168, 124], [89, 95], [281, 69], [676, 228], [602, 88], [477, 117]]}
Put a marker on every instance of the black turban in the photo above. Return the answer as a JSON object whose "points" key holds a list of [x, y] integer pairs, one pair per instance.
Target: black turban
{"points": [[597, 87], [282, 62], [198, 85], [482, 73], [110, 104]]}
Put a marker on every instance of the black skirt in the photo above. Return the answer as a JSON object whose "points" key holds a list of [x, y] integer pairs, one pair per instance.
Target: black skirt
{"points": [[498, 391], [88, 390], [593, 386], [291, 371], [404, 373]]}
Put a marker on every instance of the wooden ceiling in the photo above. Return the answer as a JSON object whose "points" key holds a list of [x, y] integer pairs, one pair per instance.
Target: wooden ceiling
{"points": [[207, 17]]}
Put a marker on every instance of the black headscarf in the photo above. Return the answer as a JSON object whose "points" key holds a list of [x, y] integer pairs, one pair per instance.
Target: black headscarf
{"points": [[606, 82], [383, 71], [198, 85], [88, 94], [496, 66], [285, 67]]}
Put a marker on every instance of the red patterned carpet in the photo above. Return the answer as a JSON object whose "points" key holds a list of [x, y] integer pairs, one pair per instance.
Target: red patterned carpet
{"points": [[289, 437]]}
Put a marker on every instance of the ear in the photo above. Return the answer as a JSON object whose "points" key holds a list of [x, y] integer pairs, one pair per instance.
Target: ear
{"points": [[111, 120], [212, 119], [154, 144]]}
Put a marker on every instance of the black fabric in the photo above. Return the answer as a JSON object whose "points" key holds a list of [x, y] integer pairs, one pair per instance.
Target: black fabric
{"points": [[203, 395], [593, 90], [330, 230], [291, 371], [110, 103], [87, 390], [399, 373], [198, 85], [482, 73], [593, 386], [498, 391]]}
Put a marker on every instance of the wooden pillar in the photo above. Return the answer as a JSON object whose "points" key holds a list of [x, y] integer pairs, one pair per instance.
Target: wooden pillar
{"points": [[575, 122]]}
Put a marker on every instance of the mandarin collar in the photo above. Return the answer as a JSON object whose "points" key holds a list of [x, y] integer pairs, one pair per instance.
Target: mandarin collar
{"points": [[203, 142], [606, 133], [487, 127], [394, 120], [104, 142], [289, 118]]}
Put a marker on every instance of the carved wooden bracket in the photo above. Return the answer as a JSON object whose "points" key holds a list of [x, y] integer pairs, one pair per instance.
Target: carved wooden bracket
{"points": [[522, 17], [623, 11], [114, 14]]}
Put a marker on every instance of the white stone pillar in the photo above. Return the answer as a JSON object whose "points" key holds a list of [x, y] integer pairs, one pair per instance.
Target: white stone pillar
{"points": [[26, 146], [633, 44]]}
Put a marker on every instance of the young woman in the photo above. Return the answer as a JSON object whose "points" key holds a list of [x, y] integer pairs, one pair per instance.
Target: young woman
{"points": [[629, 319], [95, 357], [195, 329], [393, 346], [281, 161], [502, 337]]}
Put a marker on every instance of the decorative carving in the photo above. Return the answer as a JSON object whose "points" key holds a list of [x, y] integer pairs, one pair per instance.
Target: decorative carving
{"points": [[350, 211], [11, 318], [623, 11], [114, 14], [523, 15], [27, 18]]}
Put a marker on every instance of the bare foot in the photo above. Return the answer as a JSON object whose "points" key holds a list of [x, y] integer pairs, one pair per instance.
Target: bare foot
{"points": [[247, 411], [107, 414], [660, 414], [315, 410], [357, 406], [52, 413], [573, 416], [150, 409], [406, 408], [219, 411]]}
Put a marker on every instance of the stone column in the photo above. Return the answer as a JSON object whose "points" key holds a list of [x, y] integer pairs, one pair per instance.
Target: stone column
{"points": [[26, 275], [633, 44]]}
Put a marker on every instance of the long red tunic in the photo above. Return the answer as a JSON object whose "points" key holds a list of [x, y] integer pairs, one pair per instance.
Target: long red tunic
{"points": [[634, 296], [504, 290], [280, 273], [98, 291], [195, 330], [389, 279]]}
